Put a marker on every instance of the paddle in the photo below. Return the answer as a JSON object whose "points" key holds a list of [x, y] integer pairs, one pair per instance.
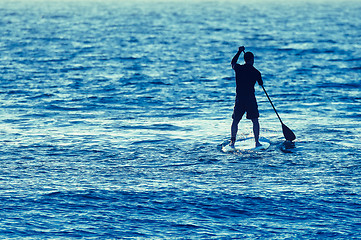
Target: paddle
{"points": [[289, 135]]}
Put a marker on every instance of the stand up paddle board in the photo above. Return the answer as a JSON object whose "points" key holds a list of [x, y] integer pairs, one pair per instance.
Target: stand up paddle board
{"points": [[246, 146]]}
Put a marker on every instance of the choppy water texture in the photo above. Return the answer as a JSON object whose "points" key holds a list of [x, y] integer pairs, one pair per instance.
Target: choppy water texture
{"points": [[112, 114]]}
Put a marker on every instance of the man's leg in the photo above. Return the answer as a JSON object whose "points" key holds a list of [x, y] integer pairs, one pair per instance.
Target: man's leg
{"points": [[234, 129], [238, 112], [256, 131]]}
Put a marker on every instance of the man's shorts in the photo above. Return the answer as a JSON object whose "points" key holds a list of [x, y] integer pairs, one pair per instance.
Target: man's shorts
{"points": [[248, 106]]}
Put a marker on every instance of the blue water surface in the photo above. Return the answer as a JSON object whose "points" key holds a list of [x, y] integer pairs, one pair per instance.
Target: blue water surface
{"points": [[113, 113]]}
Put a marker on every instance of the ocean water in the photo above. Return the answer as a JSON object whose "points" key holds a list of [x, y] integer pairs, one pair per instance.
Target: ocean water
{"points": [[113, 113]]}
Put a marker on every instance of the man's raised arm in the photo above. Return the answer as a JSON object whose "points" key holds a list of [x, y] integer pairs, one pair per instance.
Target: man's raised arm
{"points": [[235, 58]]}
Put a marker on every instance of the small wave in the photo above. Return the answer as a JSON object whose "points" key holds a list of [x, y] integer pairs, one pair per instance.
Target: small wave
{"points": [[80, 195], [63, 108], [74, 68], [152, 141], [159, 83], [340, 85], [40, 96]]}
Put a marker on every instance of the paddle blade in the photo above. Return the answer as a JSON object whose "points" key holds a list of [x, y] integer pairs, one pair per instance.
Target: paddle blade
{"points": [[289, 135]]}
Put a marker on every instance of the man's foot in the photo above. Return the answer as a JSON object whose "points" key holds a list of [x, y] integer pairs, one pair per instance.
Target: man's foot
{"points": [[258, 144], [233, 140]]}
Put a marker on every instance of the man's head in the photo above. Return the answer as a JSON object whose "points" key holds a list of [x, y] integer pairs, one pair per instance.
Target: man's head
{"points": [[249, 58]]}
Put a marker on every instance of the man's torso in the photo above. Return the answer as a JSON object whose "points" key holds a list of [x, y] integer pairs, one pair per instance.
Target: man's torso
{"points": [[246, 77]]}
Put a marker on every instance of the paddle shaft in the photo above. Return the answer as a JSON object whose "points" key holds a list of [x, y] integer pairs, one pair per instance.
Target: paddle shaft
{"points": [[272, 104], [287, 133], [269, 100]]}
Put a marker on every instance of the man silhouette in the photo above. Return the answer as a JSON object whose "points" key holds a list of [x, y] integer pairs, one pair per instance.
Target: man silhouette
{"points": [[246, 77]]}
